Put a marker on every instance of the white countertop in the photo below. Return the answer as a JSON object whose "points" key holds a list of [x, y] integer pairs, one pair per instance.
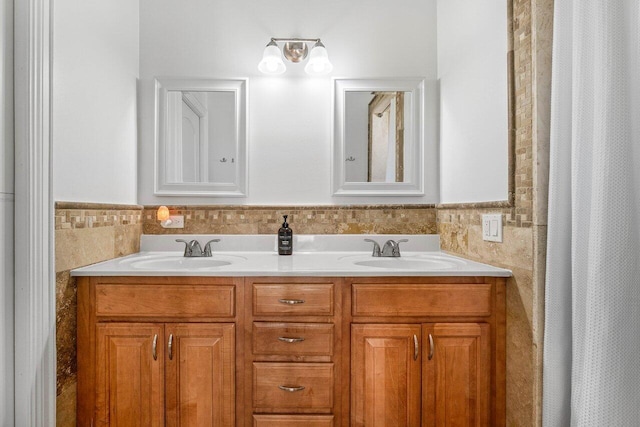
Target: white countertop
{"points": [[319, 255]]}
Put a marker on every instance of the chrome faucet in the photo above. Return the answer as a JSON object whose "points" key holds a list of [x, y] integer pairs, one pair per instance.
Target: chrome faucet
{"points": [[376, 247], [193, 248], [391, 248]]}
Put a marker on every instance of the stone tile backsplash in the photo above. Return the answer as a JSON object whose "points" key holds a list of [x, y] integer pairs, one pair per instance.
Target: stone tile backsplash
{"points": [[391, 219]]}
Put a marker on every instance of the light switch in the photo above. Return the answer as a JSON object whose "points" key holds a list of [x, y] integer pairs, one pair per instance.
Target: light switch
{"points": [[492, 227]]}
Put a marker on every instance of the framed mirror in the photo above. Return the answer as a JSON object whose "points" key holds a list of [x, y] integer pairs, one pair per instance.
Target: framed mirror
{"points": [[378, 137], [201, 137]]}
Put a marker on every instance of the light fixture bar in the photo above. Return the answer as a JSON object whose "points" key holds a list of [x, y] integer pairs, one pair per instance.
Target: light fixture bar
{"points": [[276, 39], [295, 50]]}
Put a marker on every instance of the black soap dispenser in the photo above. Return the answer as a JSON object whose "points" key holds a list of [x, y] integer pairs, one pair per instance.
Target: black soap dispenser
{"points": [[285, 238]]}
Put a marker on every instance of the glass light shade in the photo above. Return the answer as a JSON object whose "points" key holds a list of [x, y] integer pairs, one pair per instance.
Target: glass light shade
{"points": [[163, 213], [318, 63], [272, 60]]}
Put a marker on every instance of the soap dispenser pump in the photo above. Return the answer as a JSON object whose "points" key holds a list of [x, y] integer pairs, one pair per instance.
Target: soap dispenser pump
{"points": [[285, 238]]}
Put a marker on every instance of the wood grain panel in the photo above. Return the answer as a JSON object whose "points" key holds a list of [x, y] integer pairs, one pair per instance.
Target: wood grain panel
{"points": [[456, 385], [271, 339], [165, 300], [200, 386], [293, 420], [317, 299], [421, 299], [385, 375], [316, 378], [129, 380]]}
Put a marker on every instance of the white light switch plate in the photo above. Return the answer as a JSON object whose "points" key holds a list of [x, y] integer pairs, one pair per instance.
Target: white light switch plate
{"points": [[492, 227], [177, 221]]}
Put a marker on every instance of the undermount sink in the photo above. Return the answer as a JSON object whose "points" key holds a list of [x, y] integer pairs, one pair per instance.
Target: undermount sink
{"points": [[408, 263], [172, 262]]}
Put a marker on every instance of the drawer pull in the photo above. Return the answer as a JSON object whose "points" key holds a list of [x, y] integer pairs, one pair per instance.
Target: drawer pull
{"points": [[155, 347], [290, 339], [291, 301], [430, 347], [291, 389], [170, 347], [416, 348]]}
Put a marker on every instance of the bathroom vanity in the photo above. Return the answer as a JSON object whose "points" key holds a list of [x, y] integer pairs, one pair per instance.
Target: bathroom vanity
{"points": [[315, 339]]}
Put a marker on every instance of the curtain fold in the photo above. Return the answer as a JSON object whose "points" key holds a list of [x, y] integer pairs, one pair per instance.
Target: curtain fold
{"points": [[591, 362]]}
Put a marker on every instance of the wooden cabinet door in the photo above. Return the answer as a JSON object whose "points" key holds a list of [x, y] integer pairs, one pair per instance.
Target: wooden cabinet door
{"points": [[385, 375], [200, 369], [456, 372], [129, 375]]}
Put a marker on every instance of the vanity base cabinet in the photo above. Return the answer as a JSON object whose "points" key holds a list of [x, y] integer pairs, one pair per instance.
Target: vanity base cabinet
{"points": [[291, 351], [148, 367], [151, 373], [294, 364], [426, 352]]}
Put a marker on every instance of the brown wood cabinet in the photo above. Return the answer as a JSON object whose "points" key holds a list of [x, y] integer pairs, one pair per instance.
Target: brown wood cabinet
{"points": [[427, 351], [157, 351], [291, 351], [294, 343]]}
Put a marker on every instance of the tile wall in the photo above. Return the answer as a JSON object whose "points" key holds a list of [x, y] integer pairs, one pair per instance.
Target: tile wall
{"points": [[84, 234], [391, 219]]}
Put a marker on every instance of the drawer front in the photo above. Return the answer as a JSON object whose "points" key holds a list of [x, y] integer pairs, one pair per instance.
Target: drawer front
{"points": [[293, 387], [293, 299], [421, 300], [293, 339], [292, 420], [165, 300]]}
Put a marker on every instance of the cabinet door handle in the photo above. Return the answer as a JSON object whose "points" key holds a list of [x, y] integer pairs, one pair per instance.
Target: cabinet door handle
{"points": [[416, 347], [170, 346], [431, 347], [291, 389], [291, 301], [291, 339], [155, 347]]}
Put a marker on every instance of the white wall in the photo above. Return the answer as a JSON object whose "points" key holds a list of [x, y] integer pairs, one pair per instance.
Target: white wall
{"points": [[6, 214], [289, 115], [95, 67], [472, 71]]}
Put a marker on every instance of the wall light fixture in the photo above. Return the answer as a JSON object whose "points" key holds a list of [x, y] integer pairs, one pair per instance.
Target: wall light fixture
{"points": [[295, 50]]}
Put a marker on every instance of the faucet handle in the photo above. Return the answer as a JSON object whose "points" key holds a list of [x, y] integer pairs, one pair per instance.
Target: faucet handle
{"points": [[187, 246], [376, 247], [207, 247], [397, 248]]}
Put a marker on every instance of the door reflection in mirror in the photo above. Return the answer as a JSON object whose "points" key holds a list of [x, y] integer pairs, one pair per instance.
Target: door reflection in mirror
{"points": [[202, 135], [375, 135]]}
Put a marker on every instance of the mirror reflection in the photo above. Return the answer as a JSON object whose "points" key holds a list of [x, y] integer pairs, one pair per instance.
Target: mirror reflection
{"points": [[375, 135], [378, 137], [201, 137], [202, 147]]}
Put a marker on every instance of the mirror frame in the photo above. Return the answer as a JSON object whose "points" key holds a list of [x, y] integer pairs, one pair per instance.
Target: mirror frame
{"points": [[415, 184], [239, 87]]}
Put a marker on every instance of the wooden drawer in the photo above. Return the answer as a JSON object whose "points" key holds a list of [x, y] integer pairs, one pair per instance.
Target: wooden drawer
{"points": [[293, 339], [165, 301], [293, 299], [316, 396], [292, 420], [421, 299]]}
